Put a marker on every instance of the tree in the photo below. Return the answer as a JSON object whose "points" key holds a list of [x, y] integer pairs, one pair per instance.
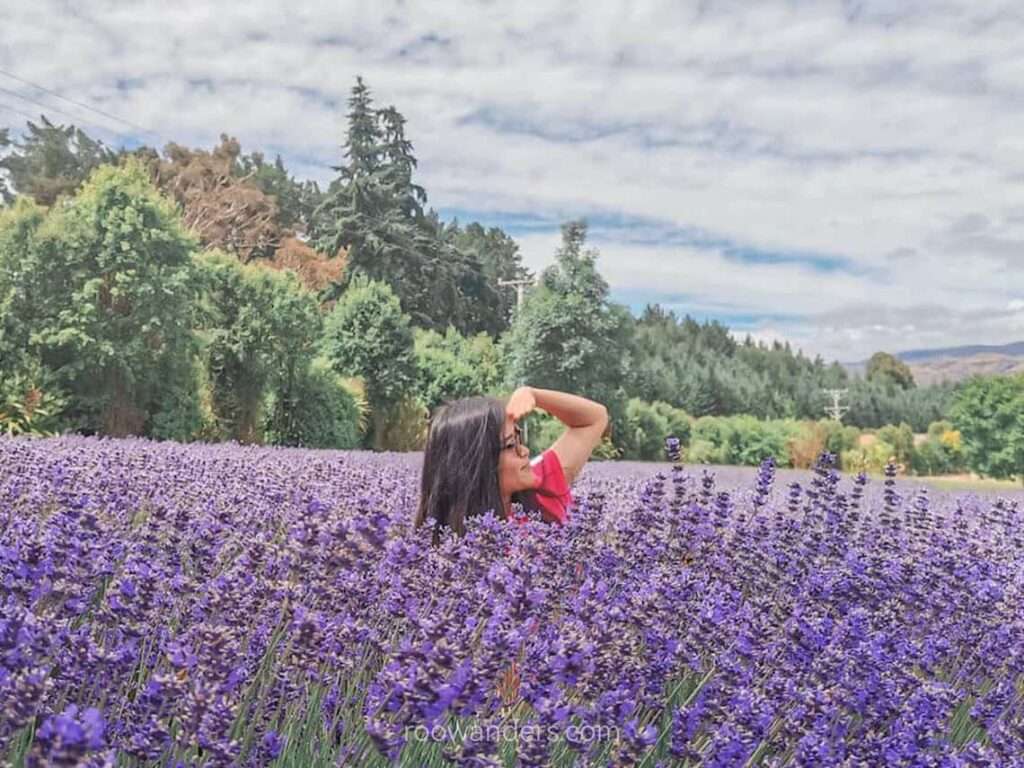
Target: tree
{"points": [[885, 367], [223, 211], [259, 329], [356, 213], [569, 335], [52, 160], [6, 195], [367, 335], [451, 366], [314, 411], [375, 212], [497, 258], [989, 413], [112, 318], [397, 164], [296, 200], [315, 271], [646, 427], [901, 438]]}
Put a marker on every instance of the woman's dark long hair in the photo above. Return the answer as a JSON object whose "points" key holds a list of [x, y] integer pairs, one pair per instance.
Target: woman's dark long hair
{"points": [[460, 464]]}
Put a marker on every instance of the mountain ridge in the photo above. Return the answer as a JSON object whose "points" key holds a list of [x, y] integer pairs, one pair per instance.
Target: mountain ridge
{"points": [[952, 364]]}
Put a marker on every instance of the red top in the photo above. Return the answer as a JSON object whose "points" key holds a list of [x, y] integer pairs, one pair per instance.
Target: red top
{"points": [[553, 496]]}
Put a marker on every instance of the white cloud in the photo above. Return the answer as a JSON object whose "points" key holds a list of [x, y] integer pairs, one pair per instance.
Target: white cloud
{"points": [[886, 134]]}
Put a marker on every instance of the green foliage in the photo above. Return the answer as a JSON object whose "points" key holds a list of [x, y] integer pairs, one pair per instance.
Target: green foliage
{"points": [[375, 211], [51, 160], [703, 451], [742, 439], [367, 335], [405, 426], [901, 438], [316, 411], [31, 402], [647, 426], [184, 412], [498, 257], [989, 413], [112, 315], [259, 329], [704, 370], [568, 335], [114, 325], [542, 431], [751, 440], [23, 299], [869, 458], [839, 437], [710, 429], [886, 368], [942, 453], [451, 366], [876, 403], [296, 200]]}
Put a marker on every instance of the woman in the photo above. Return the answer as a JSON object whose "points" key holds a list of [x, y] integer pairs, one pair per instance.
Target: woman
{"points": [[475, 459]]}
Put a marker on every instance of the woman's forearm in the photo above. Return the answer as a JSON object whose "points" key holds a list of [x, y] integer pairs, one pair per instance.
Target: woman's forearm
{"points": [[571, 410]]}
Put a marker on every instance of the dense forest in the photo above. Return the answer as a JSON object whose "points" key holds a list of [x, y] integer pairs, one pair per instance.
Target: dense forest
{"points": [[192, 293]]}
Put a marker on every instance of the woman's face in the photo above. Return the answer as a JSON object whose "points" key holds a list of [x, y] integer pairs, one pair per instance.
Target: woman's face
{"points": [[514, 473]]}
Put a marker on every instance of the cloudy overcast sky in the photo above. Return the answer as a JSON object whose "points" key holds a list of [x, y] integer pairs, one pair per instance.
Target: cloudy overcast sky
{"points": [[845, 175]]}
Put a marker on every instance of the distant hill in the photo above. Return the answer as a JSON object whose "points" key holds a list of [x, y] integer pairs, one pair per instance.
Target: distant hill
{"points": [[932, 366]]}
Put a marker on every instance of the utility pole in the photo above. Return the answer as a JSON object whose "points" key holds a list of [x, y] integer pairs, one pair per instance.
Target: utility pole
{"points": [[836, 411], [520, 294], [520, 288]]}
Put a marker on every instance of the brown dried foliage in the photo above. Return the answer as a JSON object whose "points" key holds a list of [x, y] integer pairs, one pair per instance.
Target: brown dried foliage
{"points": [[314, 270], [223, 210]]}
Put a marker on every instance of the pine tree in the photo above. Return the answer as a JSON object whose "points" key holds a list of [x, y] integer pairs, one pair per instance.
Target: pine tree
{"points": [[398, 163], [52, 160], [368, 208]]}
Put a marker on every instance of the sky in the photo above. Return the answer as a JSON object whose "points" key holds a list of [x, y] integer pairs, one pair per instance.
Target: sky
{"points": [[846, 176]]}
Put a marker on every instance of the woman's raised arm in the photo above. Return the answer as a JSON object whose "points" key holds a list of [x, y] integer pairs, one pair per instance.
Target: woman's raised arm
{"points": [[586, 423]]}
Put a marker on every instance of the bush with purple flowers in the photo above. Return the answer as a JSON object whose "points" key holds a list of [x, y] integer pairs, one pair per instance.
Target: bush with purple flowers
{"points": [[216, 605]]}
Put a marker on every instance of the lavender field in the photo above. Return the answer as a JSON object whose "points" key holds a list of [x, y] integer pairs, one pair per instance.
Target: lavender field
{"points": [[218, 605]]}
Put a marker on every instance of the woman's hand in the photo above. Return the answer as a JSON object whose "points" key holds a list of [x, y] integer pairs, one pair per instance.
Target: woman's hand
{"points": [[521, 403]]}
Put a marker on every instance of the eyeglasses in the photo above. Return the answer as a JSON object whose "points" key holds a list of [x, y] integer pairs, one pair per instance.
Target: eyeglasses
{"points": [[514, 441]]}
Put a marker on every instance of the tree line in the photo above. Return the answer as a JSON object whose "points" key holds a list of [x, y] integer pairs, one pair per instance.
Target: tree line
{"points": [[210, 294]]}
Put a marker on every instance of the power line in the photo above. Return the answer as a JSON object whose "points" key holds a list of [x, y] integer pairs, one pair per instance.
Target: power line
{"points": [[17, 95], [83, 105], [77, 118], [14, 111]]}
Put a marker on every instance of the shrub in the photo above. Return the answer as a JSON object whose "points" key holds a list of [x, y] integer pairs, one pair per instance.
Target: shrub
{"points": [[606, 451], [868, 458], [901, 439], [31, 403], [185, 411], [941, 453], [805, 447], [451, 366], [710, 429], [813, 437], [318, 412], [542, 430], [703, 451], [645, 431], [405, 426]]}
